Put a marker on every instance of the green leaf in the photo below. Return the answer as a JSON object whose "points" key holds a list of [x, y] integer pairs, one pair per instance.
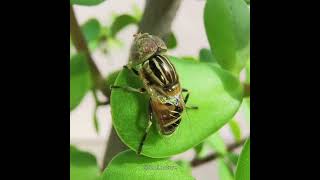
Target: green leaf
{"points": [[120, 22], [80, 80], [217, 144], [235, 129], [245, 106], [129, 165], [91, 29], [224, 171], [83, 165], [216, 92], [233, 158], [243, 166], [188, 58], [227, 24], [186, 166], [171, 41], [72, 48], [202, 150], [111, 78], [205, 55], [86, 2]]}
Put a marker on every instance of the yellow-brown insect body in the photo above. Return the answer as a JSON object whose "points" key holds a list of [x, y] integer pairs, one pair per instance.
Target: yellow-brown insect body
{"points": [[162, 84]]}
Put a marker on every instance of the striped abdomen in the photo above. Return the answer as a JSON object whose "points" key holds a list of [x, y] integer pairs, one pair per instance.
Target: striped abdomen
{"points": [[168, 116], [162, 82]]}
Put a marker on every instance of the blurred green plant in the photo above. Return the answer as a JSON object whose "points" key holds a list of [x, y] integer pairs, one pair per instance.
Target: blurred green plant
{"points": [[212, 78], [243, 166], [83, 165], [227, 23]]}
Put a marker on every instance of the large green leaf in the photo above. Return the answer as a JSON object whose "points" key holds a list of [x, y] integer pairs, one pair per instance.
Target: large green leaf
{"points": [[216, 92], [227, 24], [86, 2], [129, 165], [83, 165], [80, 80], [243, 166], [120, 22], [224, 171]]}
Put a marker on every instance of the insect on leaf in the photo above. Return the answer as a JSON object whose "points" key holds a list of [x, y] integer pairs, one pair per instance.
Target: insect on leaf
{"points": [[216, 92]]}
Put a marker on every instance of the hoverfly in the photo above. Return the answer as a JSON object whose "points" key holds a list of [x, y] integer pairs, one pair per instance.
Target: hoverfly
{"points": [[161, 82]]}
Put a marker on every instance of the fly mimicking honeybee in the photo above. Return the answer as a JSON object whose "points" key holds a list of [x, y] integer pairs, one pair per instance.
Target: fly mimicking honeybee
{"points": [[160, 81]]}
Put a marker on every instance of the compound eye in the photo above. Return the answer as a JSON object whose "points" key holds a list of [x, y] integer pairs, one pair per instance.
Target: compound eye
{"points": [[168, 104]]}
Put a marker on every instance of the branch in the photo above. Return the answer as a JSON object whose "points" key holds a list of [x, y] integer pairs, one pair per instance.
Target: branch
{"points": [[246, 89], [113, 147], [197, 162], [81, 46], [158, 16]]}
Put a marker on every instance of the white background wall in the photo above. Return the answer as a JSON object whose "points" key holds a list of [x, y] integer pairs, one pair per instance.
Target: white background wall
{"points": [[190, 33]]}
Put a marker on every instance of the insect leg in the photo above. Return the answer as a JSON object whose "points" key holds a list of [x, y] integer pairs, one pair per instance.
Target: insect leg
{"points": [[146, 130], [192, 107], [186, 100], [130, 89], [132, 69], [185, 90]]}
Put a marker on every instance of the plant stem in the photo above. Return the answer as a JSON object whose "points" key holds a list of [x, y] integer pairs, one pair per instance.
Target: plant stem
{"points": [[81, 46], [158, 16], [246, 89], [197, 162], [114, 146]]}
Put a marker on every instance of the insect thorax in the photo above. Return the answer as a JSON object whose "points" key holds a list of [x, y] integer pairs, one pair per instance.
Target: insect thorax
{"points": [[160, 74]]}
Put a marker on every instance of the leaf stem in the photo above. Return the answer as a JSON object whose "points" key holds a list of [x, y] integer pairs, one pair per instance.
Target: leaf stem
{"points": [[197, 162], [246, 89], [96, 99]]}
